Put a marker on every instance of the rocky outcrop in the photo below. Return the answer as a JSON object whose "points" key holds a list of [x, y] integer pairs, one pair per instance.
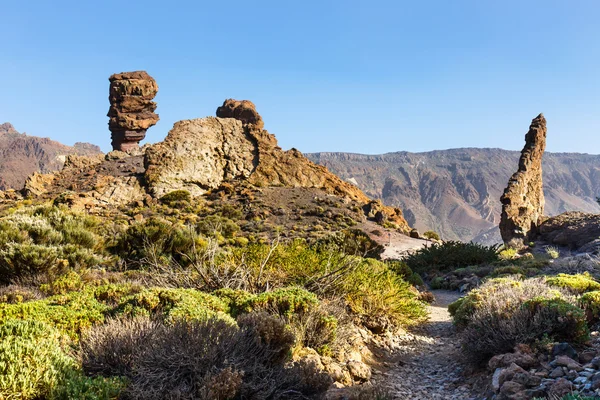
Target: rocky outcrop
{"points": [[243, 110], [131, 109], [523, 199], [200, 155], [575, 230], [7, 128], [92, 182]]}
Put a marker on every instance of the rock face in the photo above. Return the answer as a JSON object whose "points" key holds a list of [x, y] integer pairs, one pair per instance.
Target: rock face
{"points": [[198, 155], [131, 109], [243, 110], [523, 199]]}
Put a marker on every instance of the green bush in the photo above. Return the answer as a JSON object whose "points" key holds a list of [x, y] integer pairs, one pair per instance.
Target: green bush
{"points": [[576, 284], [404, 272], [73, 384], [506, 311], [31, 360], [352, 242], [285, 301], [451, 255], [71, 313], [373, 290], [590, 302], [431, 235], [174, 304], [177, 199], [158, 241]]}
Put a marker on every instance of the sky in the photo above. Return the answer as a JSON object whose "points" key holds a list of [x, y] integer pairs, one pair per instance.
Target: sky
{"points": [[354, 76]]}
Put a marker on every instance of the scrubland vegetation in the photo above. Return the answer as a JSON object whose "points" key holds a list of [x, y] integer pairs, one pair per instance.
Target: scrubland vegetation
{"points": [[169, 307]]}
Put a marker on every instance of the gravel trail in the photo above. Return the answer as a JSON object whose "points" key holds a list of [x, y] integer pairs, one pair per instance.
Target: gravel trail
{"points": [[430, 369]]}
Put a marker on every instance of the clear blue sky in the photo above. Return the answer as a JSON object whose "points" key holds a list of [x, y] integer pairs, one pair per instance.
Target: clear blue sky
{"points": [[358, 76]]}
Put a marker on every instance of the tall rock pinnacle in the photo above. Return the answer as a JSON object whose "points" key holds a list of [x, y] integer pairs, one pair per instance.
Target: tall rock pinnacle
{"points": [[523, 199], [131, 110]]}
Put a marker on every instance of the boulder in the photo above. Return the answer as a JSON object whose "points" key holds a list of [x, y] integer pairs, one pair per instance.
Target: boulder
{"points": [[560, 388], [243, 110], [573, 229], [359, 371], [523, 199], [131, 110], [564, 349]]}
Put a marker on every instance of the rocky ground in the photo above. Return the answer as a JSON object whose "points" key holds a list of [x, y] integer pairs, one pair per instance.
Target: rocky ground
{"points": [[430, 366]]}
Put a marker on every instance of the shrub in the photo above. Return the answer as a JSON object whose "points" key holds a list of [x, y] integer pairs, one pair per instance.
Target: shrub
{"points": [[31, 360], [552, 252], [431, 235], [157, 241], [208, 358], [450, 255], [177, 199], [590, 302], [71, 313], [174, 304], [69, 282], [18, 294], [215, 225], [373, 290], [352, 242], [110, 349], [576, 284], [506, 311], [404, 271], [25, 260], [269, 331], [285, 302]]}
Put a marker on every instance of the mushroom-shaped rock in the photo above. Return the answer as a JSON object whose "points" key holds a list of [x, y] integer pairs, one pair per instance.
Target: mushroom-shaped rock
{"points": [[131, 109], [243, 110]]}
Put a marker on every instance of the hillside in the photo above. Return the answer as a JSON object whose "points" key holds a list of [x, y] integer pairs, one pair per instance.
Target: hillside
{"points": [[457, 192], [21, 155]]}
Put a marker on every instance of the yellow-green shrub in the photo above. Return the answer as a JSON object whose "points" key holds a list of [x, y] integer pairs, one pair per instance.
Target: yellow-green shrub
{"points": [[31, 360], [577, 284], [174, 304], [70, 313]]}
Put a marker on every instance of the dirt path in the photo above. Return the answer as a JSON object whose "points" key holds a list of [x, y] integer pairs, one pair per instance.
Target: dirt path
{"points": [[430, 368]]}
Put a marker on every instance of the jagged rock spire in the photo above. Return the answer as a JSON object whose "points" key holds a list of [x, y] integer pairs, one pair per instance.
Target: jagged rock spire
{"points": [[523, 199]]}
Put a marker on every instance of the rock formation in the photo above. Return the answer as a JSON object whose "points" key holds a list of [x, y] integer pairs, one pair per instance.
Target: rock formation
{"points": [[131, 110], [202, 154], [523, 198], [243, 110], [576, 230]]}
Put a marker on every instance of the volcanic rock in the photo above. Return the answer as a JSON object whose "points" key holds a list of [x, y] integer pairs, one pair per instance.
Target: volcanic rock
{"points": [[243, 110], [571, 229], [523, 198], [131, 109]]}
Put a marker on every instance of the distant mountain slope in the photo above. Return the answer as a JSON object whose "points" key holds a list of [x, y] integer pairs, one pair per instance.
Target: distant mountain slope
{"points": [[21, 155], [457, 192]]}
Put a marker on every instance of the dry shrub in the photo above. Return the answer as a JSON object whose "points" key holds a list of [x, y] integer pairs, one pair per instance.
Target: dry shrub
{"points": [[506, 311], [110, 349], [209, 359], [13, 294], [270, 332]]}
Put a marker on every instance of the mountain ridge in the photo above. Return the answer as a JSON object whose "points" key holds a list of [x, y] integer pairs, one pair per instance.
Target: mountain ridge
{"points": [[457, 191]]}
